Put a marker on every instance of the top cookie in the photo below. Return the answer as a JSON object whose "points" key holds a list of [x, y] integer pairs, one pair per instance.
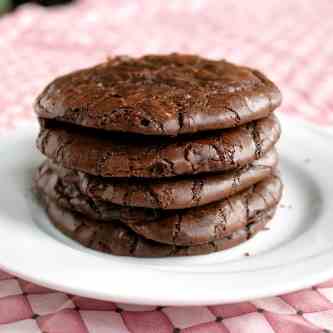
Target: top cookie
{"points": [[160, 95]]}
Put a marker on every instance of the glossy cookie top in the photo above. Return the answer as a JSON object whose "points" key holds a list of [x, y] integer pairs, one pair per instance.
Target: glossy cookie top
{"points": [[183, 227], [162, 193], [118, 239], [160, 95], [108, 154], [201, 225]]}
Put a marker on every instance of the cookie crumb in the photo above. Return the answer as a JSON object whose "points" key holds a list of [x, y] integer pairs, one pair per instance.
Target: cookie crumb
{"points": [[246, 254]]}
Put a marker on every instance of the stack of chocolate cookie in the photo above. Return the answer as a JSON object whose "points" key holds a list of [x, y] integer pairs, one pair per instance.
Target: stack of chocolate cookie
{"points": [[162, 155]]}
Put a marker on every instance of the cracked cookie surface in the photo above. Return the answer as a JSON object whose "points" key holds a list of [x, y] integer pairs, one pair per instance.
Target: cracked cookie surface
{"points": [[117, 239], [168, 193], [214, 221], [160, 95], [190, 226], [109, 154]]}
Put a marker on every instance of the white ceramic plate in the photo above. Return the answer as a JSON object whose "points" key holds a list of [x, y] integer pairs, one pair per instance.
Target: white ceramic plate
{"points": [[296, 252]]}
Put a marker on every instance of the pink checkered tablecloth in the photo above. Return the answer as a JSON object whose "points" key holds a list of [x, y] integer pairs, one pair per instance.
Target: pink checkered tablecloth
{"points": [[292, 41]]}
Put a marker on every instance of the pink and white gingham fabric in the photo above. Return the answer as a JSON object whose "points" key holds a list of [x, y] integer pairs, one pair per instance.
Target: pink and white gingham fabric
{"points": [[291, 41]]}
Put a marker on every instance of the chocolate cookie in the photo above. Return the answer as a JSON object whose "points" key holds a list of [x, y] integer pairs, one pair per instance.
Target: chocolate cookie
{"points": [[181, 227], [215, 221], [67, 195], [112, 155], [117, 239], [169, 193], [160, 94]]}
